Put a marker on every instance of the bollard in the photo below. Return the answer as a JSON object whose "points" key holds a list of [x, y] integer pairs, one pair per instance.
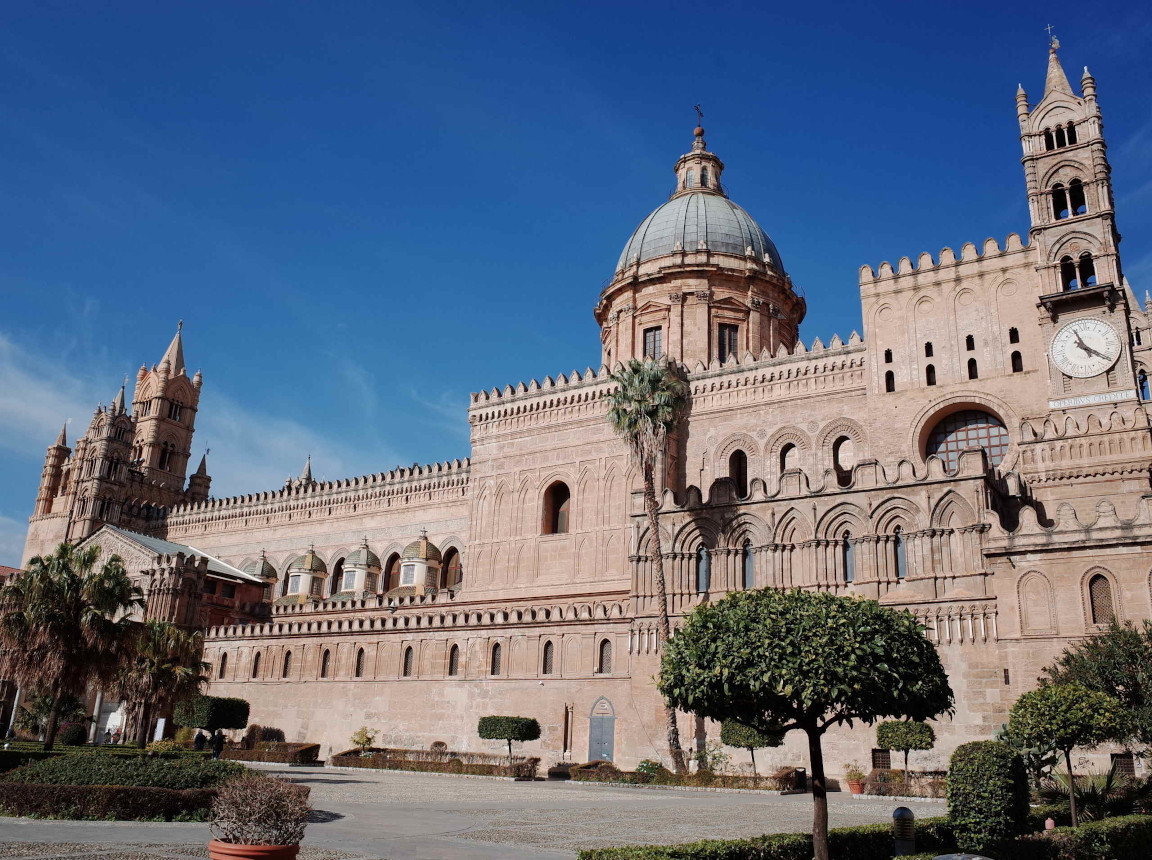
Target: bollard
{"points": [[904, 831]]}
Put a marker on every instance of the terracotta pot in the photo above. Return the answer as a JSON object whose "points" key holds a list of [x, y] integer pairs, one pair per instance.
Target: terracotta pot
{"points": [[856, 786], [218, 850]]}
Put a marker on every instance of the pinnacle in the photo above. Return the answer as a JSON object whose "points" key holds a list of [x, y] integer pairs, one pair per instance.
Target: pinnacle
{"points": [[306, 475], [1056, 81], [174, 355], [62, 439], [118, 403], [203, 468]]}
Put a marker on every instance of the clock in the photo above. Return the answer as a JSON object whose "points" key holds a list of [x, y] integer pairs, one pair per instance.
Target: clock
{"points": [[1085, 348]]}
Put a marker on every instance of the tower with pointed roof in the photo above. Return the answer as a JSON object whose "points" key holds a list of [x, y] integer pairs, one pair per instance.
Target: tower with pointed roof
{"points": [[128, 467], [165, 403]]}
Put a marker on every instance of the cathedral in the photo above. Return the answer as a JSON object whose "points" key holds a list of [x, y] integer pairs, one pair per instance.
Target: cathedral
{"points": [[980, 457]]}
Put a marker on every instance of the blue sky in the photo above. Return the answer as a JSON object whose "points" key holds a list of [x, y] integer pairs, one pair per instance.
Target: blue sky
{"points": [[364, 211]]}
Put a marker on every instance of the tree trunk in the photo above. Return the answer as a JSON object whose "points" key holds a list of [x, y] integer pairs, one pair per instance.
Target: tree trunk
{"points": [[53, 721], [1071, 785], [752, 750], [144, 712], [905, 773], [819, 795], [665, 629], [509, 751]]}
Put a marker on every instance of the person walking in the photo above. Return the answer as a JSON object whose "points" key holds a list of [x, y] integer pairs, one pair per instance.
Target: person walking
{"points": [[107, 736], [217, 744], [199, 741], [116, 736]]}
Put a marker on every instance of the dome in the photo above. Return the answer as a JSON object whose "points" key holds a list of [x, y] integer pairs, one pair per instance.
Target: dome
{"points": [[362, 557], [308, 563], [422, 550], [687, 220], [261, 567]]}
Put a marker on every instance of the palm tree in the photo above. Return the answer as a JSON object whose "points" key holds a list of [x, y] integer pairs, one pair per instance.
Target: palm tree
{"points": [[64, 623], [649, 399], [164, 668]]}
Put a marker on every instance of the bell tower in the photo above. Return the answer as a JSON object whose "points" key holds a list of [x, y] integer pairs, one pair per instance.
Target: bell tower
{"points": [[165, 403], [1083, 296]]}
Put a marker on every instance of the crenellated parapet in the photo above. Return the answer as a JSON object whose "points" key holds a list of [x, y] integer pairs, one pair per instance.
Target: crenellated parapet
{"points": [[946, 266], [428, 484]]}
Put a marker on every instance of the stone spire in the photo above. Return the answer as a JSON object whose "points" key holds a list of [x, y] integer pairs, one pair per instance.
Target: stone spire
{"points": [[118, 403], [202, 469], [174, 355], [1056, 81], [306, 475], [62, 439]]}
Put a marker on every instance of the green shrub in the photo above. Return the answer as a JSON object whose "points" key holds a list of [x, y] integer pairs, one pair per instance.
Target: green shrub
{"points": [[649, 766], [123, 803], [1124, 838], [72, 735], [14, 758], [147, 771], [870, 842], [508, 729], [987, 795], [276, 753], [212, 713]]}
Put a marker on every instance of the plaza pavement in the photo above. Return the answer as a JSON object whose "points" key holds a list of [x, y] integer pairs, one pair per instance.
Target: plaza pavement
{"points": [[411, 816]]}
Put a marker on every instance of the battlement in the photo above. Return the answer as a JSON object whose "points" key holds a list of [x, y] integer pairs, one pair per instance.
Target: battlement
{"points": [[947, 259], [415, 478]]}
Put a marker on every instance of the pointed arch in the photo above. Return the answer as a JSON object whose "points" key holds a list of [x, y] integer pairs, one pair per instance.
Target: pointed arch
{"points": [[745, 527], [693, 533], [952, 511], [792, 528], [1034, 597], [845, 515]]}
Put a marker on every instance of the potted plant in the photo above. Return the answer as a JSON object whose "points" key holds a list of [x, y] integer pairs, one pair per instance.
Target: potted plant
{"points": [[855, 778], [258, 818]]}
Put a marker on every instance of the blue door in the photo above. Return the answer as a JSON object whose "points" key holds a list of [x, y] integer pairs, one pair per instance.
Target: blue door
{"points": [[601, 731]]}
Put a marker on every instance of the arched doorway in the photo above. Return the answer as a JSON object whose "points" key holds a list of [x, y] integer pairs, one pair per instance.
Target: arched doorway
{"points": [[601, 731]]}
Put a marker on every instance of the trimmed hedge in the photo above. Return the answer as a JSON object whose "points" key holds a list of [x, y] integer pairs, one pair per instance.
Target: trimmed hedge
{"points": [[12, 759], [606, 772], [438, 761], [143, 771], [1128, 837], [870, 842], [987, 795], [280, 753], [212, 713], [123, 803]]}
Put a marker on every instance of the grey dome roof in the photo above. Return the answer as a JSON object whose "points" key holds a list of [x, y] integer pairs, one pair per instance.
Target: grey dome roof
{"points": [[362, 557], [689, 219]]}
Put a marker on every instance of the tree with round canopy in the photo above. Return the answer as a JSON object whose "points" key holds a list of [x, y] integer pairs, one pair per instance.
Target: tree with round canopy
{"points": [[778, 661]]}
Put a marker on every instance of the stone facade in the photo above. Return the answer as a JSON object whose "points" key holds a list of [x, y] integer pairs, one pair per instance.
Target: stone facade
{"points": [[972, 459]]}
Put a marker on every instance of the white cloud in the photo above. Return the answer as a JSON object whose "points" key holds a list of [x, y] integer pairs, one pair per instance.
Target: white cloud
{"points": [[11, 540], [250, 450]]}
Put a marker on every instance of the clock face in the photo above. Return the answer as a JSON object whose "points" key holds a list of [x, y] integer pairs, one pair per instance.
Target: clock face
{"points": [[1085, 348]]}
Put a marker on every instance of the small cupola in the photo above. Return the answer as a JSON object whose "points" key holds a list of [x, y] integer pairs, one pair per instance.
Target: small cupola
{"points": [[699, 170], [306, 575], [420, 564], [361, 571]]}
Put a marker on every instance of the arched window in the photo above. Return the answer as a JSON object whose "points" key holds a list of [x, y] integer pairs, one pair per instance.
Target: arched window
{"points": [[548, 662], [336, 581], [738, 472], [889, 381], [848, 557], [497, 654], [704, 176], [407, 669], [1061, 138], [256, 665], [557, 502], [1068, 279], [1071, 134], [451, 570], [930, 374], [789, 457], [223, 665], [1013, 335], [1017, 362], [969, 343], [454, 661], [287, 667], [1076, 200], [703, 569], [748, 564], [1087, 270], [325, 663], [359, 673], [392, 573], [887, 356], [1049, 141], [928, 349], [604, 657], [973, 370], [1059, 201], [900, 556], [843, 459], [1142, 381], [1100, 595], [690, 179], [970, 428]]}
